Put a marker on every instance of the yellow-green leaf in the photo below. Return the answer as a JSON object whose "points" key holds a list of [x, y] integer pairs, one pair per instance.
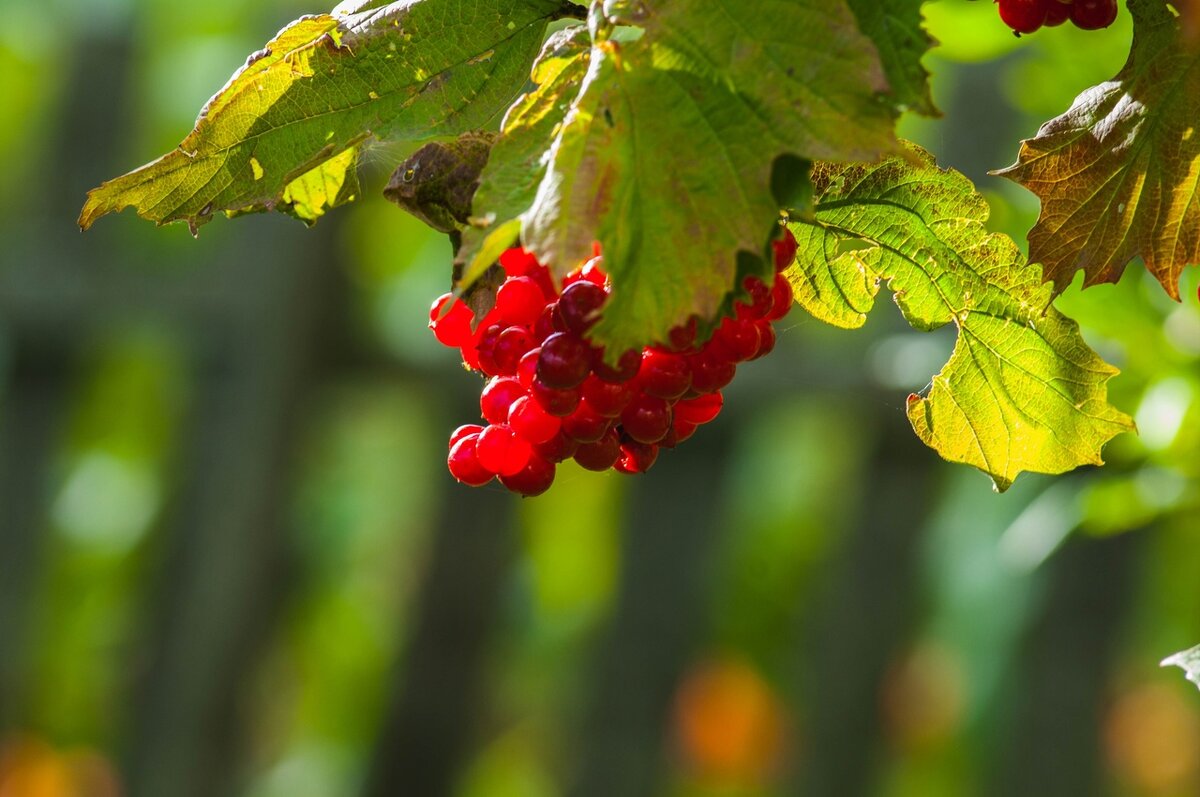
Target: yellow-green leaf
{"points": [[1119, 173], [285, 130], [1022, 391]]}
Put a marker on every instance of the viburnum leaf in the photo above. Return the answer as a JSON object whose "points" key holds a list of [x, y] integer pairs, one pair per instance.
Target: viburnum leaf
{"points": [[895, 28], [284, 132], [667, 154], [1119, 173], [1189, 661], [510, 179], [1022, 391]]}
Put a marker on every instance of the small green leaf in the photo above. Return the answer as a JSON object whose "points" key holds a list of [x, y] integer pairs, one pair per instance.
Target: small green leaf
{"points": [[895, 28], [1022, 391], [1119, 173], [322, 87], [1189, 661]]}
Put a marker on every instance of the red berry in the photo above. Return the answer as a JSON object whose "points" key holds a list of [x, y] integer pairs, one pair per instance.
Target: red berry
{"points": [[486, 348], [555, 401], [784, 249], [701, 409], [600, 455], [646, 419], [579, 306], [682, 338], [736, 340], [681, 430], [625, 369], [585, 425], [498, 396], [1093, 14], [534, 479], [607, 398], [710, 371], [766, 340], [636, 457], [531, 421], [450, 321], [512, 344], [527, 367], [520, 301], [544, 327], [464, 465], [565, 361], [501, 451], [463, 431], [1024, 16], [1057, 13], [517, 262], [557, 448], [781, 298], [760, 299], [664, 374]]}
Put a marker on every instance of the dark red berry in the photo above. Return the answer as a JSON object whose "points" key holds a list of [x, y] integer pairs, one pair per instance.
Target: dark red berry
{"points": [[585, 425], [464, 465], [545, 325], [766, 340], [565, 361], [664, 374], [555, 401], [531, 421], [579, 306], [501, 451], [486, 348], [600, 455], [1024, 16], [760, 300], [682, 338], [1057, 13], [646, 419], [710, 371], [1093, 14], [512, 344], [557, 448], [498, 396], [636, 457], [607, 398], [625, 369], [533, 479], [781, 298], [736, 340], [527, 367], [784, 249]]}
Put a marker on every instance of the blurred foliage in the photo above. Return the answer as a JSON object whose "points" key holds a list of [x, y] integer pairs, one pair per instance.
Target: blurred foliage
{"points": [[366, 490]]}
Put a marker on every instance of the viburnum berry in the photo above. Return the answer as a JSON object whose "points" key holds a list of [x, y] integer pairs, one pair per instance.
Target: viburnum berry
{"points": [[1093, 14], [552, 396], [1024, 16], [1057, 12]]}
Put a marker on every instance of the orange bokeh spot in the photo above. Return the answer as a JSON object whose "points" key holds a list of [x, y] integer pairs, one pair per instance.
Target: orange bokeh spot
{"points": [[1152, 737], [30, 767], [729, 722]]}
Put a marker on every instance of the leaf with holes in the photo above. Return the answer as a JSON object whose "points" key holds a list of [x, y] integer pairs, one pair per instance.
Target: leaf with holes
{"points": [[1021, 391]]}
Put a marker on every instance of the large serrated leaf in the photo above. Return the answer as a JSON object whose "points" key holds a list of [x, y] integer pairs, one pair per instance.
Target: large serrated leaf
{"points": [[1119, 173], [1022, 391], [325, 84]]}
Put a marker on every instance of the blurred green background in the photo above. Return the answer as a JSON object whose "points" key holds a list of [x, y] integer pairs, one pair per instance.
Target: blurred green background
{"points": [[232, 562]]}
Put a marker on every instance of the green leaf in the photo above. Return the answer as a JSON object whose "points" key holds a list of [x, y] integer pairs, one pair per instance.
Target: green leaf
{"points": [[510, 179], [1021, 391], [1189, 661], [801, 66], [292, 119], [895, 28], [1119, 173]]}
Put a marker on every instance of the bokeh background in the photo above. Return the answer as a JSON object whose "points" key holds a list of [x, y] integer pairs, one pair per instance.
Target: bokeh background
{"points": [[232, 563]]}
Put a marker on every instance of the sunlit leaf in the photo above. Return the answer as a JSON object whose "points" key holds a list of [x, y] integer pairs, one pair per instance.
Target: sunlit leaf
{"points": [[1022, 391], [895, 28], [284, 130], [1119, 173]]}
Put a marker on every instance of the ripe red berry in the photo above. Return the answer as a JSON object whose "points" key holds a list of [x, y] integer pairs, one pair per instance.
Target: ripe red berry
{"points": [[766, 340], [781, 298], [565, 361], [579, 306], [626, 368], [646, 419], [463, 431], [556, 401], [701, 409], [601, 454], [736, 340], [710, 371], [498, 396], [518, 262], [486, 349], [527, 367], [1024, 16], [760, 299], [664, 374], [1093, 14], [636, 457], [681, 430], [501, 451], [464, 465], [607, 398], [1057, 12], [557, 448], [585, 425], [450, 321], [784, 248], [530, 420], [682, 338], [533, 479], [520, 301]]}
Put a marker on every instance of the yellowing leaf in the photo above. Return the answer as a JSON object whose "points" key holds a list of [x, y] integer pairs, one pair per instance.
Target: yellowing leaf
{"points": [[285, 130], [1022, 391], [1119, 173]]}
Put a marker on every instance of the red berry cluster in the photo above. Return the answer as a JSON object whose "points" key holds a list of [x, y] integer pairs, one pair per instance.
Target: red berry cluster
{"points": [[551, 395], [1026, 16]]}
